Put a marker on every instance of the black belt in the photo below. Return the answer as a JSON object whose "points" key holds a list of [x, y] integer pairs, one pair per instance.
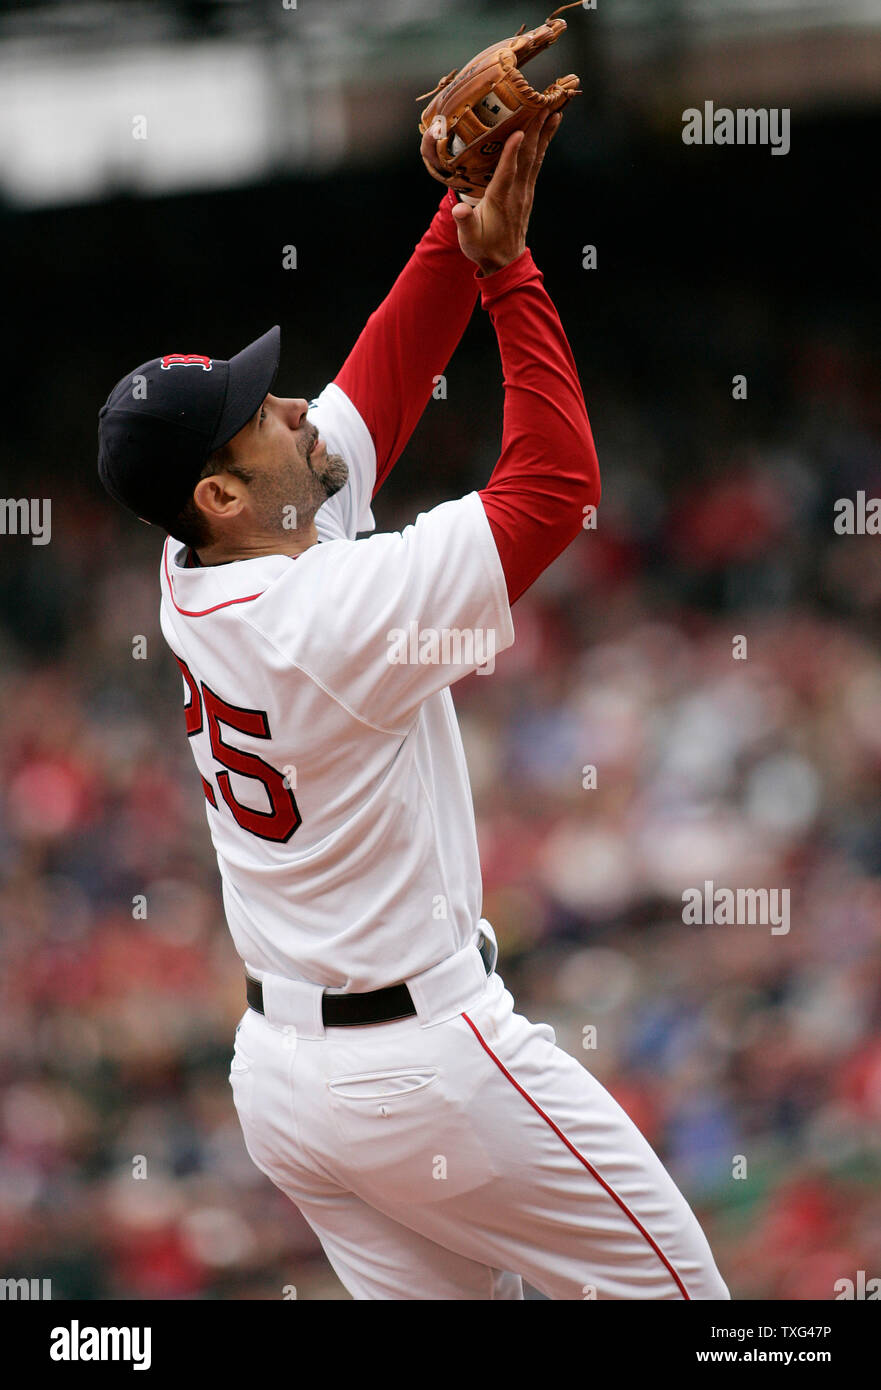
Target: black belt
{"points": [[378, 1006]]}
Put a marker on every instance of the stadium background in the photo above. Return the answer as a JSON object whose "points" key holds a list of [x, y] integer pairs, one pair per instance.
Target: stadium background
{"points": [[269, 127]]}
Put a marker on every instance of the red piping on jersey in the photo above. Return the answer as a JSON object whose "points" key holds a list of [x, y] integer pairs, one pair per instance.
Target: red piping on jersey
{"points": [[187, 613], [581, 1159]]}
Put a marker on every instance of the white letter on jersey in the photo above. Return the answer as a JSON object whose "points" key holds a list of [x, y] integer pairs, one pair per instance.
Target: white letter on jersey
{"points": [[439, 908], [289, 257]]}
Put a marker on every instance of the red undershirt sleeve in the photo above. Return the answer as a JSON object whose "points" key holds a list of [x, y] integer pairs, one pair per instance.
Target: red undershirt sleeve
{"points": [[407, 342], [547, 473]]}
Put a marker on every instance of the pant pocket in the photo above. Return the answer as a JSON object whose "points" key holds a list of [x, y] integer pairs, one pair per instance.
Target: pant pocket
{"points": [[402, 1138], [256, 1124], [241, 1079], [376, 1085]]}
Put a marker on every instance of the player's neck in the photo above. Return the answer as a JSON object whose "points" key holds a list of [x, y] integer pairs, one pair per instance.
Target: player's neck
{"points": [[251, 548]]}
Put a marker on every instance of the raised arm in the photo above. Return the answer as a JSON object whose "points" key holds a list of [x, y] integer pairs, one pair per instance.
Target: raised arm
{"points": [[390, 373], [547, 472]]}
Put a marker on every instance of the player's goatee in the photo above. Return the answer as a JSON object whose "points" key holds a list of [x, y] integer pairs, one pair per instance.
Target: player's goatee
{"points": [[335, 474]]}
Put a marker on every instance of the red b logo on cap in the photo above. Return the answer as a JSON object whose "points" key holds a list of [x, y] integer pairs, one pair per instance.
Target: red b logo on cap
{"points": [[186, 359]]}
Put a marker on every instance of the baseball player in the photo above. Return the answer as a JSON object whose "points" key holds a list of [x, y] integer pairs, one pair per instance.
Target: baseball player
{"points": [[439, 1144]]}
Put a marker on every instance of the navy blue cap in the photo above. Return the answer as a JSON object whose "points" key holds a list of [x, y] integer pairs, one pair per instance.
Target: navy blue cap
{"points": [[161, 421]]}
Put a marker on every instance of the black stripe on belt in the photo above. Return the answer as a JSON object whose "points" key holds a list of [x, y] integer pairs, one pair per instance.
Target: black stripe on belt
{"points": [[377, 1006]]}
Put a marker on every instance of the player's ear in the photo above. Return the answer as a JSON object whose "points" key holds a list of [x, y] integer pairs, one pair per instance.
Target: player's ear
{"points": [[220, 495]]}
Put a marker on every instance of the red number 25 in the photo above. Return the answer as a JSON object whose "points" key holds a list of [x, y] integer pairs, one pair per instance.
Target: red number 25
{"points": [[277, 824]]}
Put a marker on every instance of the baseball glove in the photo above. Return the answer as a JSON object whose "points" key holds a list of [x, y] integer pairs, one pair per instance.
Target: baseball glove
{"points": [[474, 109]]}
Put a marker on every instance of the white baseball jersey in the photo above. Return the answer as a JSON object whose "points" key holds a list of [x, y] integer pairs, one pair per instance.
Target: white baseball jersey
{"points": [[320, 719]]}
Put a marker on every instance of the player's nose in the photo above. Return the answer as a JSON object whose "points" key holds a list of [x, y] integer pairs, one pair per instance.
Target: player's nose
{"points": [[293, 410]]}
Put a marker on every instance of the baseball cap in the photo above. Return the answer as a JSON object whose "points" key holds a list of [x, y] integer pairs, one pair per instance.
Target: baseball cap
{"points": [[161, 421]]}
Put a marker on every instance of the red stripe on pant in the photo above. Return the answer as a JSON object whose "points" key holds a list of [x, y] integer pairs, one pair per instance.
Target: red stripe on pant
{"points": [[581, 1159]]}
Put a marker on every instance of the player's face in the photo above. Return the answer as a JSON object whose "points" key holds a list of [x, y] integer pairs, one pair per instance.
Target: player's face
{"points": [[288, 465]]}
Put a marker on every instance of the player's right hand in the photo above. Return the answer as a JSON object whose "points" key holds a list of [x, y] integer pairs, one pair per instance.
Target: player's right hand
{"points": [[493, 233]]}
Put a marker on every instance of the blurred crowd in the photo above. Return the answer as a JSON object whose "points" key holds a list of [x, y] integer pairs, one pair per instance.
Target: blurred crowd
{"points": [[751, 1059]]}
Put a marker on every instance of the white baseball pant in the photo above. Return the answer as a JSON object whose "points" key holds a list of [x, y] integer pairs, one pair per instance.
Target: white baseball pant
{"points": [[452, 1154]]}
